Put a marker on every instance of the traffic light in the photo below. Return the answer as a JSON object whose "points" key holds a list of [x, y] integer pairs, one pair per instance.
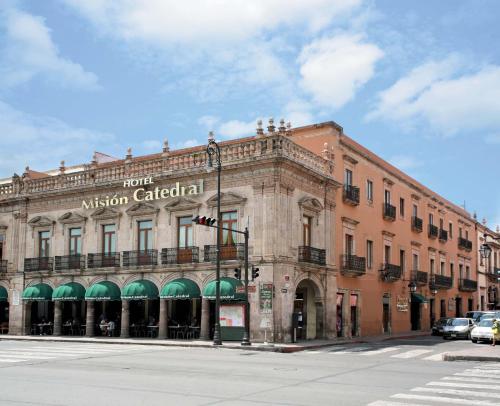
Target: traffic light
{"points": [[237, 273], [255, 272], [204, 220]]}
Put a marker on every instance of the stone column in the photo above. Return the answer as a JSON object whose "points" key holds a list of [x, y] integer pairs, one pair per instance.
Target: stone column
{"points": [[57, 318], [90, 319], [162, 328], [125, 333], [27, 318], [205, 319]]}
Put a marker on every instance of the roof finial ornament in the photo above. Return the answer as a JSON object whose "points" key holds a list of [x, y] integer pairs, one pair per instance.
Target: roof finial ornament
{"points": [[129, 153], [271, 127], [484, 221], [166, 148], [288, 129], [94, 158], [62, 167], [325, 150], [260, 130], [474, 215], [282, 128]]}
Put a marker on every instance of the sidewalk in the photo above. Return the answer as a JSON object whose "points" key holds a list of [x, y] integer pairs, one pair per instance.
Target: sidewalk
{"points": [[278, 347], [477, 352]]}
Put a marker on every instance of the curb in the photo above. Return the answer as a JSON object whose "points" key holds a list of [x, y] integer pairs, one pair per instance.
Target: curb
{"points": [[483, 358]]}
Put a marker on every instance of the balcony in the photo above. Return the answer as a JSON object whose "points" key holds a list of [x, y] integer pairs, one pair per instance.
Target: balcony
{"points": [[417, 224], [140, 258], [433, 231], [443, 235], [353, 265], [38, 264], [441, 281], [103, 260], [68, 262], [419, 277], [186, 255], [227, 252], [390, 272], [351, 195], [493, 276], [3, 266], [312, 255], [389, 212], [467, 285], [464, 243]]}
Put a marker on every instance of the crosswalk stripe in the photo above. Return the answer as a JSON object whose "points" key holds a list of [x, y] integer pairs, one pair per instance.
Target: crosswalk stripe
{"points": [[411, 354], [53, 351], [471, 374], [441, 399], [465, 385], [12, 360], [471, 379], [24, 355], [435, 357], [352, 351], [456, 392], [484, 371], [390, 403], [380, 351]]}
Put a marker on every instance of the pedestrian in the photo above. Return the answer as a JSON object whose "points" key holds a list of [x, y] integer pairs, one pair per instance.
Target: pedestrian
{"points": [[495, 329]]}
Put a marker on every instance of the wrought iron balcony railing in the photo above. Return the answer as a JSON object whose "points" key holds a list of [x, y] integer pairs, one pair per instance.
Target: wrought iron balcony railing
{"points": [[417, 224], [351, 195], [103, 260], [312, 255], [390, 272], [3, 265], [419, 277], [186, 255], [493, 276], [443, 235], [464, 243], [433, 231], [389, 212], [67, 262], [467, 285], [38, 264], [227, 252], [353, 265], [441, 281], [140, 258]]}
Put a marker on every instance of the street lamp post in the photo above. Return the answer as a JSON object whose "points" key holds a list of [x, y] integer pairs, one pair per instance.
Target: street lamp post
{"points": [[213, 152], [246, 334]]}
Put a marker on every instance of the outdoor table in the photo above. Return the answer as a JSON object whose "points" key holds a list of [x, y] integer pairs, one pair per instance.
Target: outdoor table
{"points": [[175, 330], [153, 331], [42, 326], [194, 331]]}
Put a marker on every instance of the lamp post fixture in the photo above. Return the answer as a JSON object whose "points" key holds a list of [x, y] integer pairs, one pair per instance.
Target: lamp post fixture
{"points": [[412, 286], [213, 152], [485, 249]]}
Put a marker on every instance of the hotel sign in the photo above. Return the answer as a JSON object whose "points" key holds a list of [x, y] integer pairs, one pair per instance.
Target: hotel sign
{"points": [[140, 194]]}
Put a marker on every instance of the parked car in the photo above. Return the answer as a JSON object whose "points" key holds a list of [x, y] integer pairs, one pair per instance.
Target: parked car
{"points": [[474, 315], [489, 315], [458, 327], [437, 328], [482, 331]]}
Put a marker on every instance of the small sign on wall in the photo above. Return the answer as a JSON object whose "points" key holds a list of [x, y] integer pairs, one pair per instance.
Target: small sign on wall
{"points": [[16, 298], [402, 304]]}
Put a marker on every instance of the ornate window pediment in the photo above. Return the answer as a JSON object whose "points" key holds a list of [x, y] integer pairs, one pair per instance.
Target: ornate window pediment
{"points": [[142, 209], [41, 221], [227, 199], [311, 204], [182, 203], [3, 227], [71, 218], [105, 213]]}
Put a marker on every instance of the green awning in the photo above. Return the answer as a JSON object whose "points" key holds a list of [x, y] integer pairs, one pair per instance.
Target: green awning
{"points": [[180, 289], [138, 290], [418, 298], [104, 290], [4, 295], [69, 291], [228, 289], [40, 291]]}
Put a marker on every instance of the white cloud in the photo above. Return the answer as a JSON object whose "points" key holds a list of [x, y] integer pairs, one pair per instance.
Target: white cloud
{"points": [[405, 162], [191, 142], [208, 121], [334, 68], [151, 146], [298, 112], [30, 51], [166, 22], [437, 95], [237, 128], [42, 142]]}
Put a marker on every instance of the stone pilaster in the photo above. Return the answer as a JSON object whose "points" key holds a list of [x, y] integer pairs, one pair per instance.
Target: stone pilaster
{"points": [[90, 319], [57, 318], [26, 318], [124, 333], [205, 319], [162, 327]]}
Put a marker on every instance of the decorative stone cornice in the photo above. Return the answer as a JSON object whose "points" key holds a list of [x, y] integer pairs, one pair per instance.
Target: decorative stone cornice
{"points": [[142, 209], [350, 221], [431, 249], [388, 233], [41, 221], [182, 203], [227, 199], [3, 227], [350, 159], [416, 244], [442, 252], [415, 196], [71, 218], [431, 206], [388, 181], [105, 213], [310, 204]]}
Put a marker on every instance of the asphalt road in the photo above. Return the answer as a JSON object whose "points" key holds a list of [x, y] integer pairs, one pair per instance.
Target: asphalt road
{"points": [[391, 373]]}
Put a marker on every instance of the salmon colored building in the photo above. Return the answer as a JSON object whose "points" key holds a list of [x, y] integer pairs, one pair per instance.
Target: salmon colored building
{"points": [[405, 255]]}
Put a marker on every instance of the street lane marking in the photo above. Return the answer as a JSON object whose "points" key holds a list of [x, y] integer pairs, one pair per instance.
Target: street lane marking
{"points": [[12, 360], [351, 351], [24, 355], [465, 385], [435, 357], [389, 403], [411, 354], [456, 392], [442, 399], [471, 379], [380, 351]]}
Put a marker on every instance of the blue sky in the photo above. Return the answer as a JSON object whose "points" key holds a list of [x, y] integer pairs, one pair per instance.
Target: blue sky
{"points": [[416, 82]]}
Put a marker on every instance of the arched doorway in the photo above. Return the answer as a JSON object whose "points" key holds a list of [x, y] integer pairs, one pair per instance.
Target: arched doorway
{"points": [[309, 311]]}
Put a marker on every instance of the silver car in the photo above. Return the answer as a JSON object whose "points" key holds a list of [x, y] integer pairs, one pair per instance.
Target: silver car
{"points": [[459, 327], [482, 332]]}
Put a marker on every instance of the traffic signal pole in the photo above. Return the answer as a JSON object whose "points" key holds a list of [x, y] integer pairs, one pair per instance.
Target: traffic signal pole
{"points": [[246, 334]]}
